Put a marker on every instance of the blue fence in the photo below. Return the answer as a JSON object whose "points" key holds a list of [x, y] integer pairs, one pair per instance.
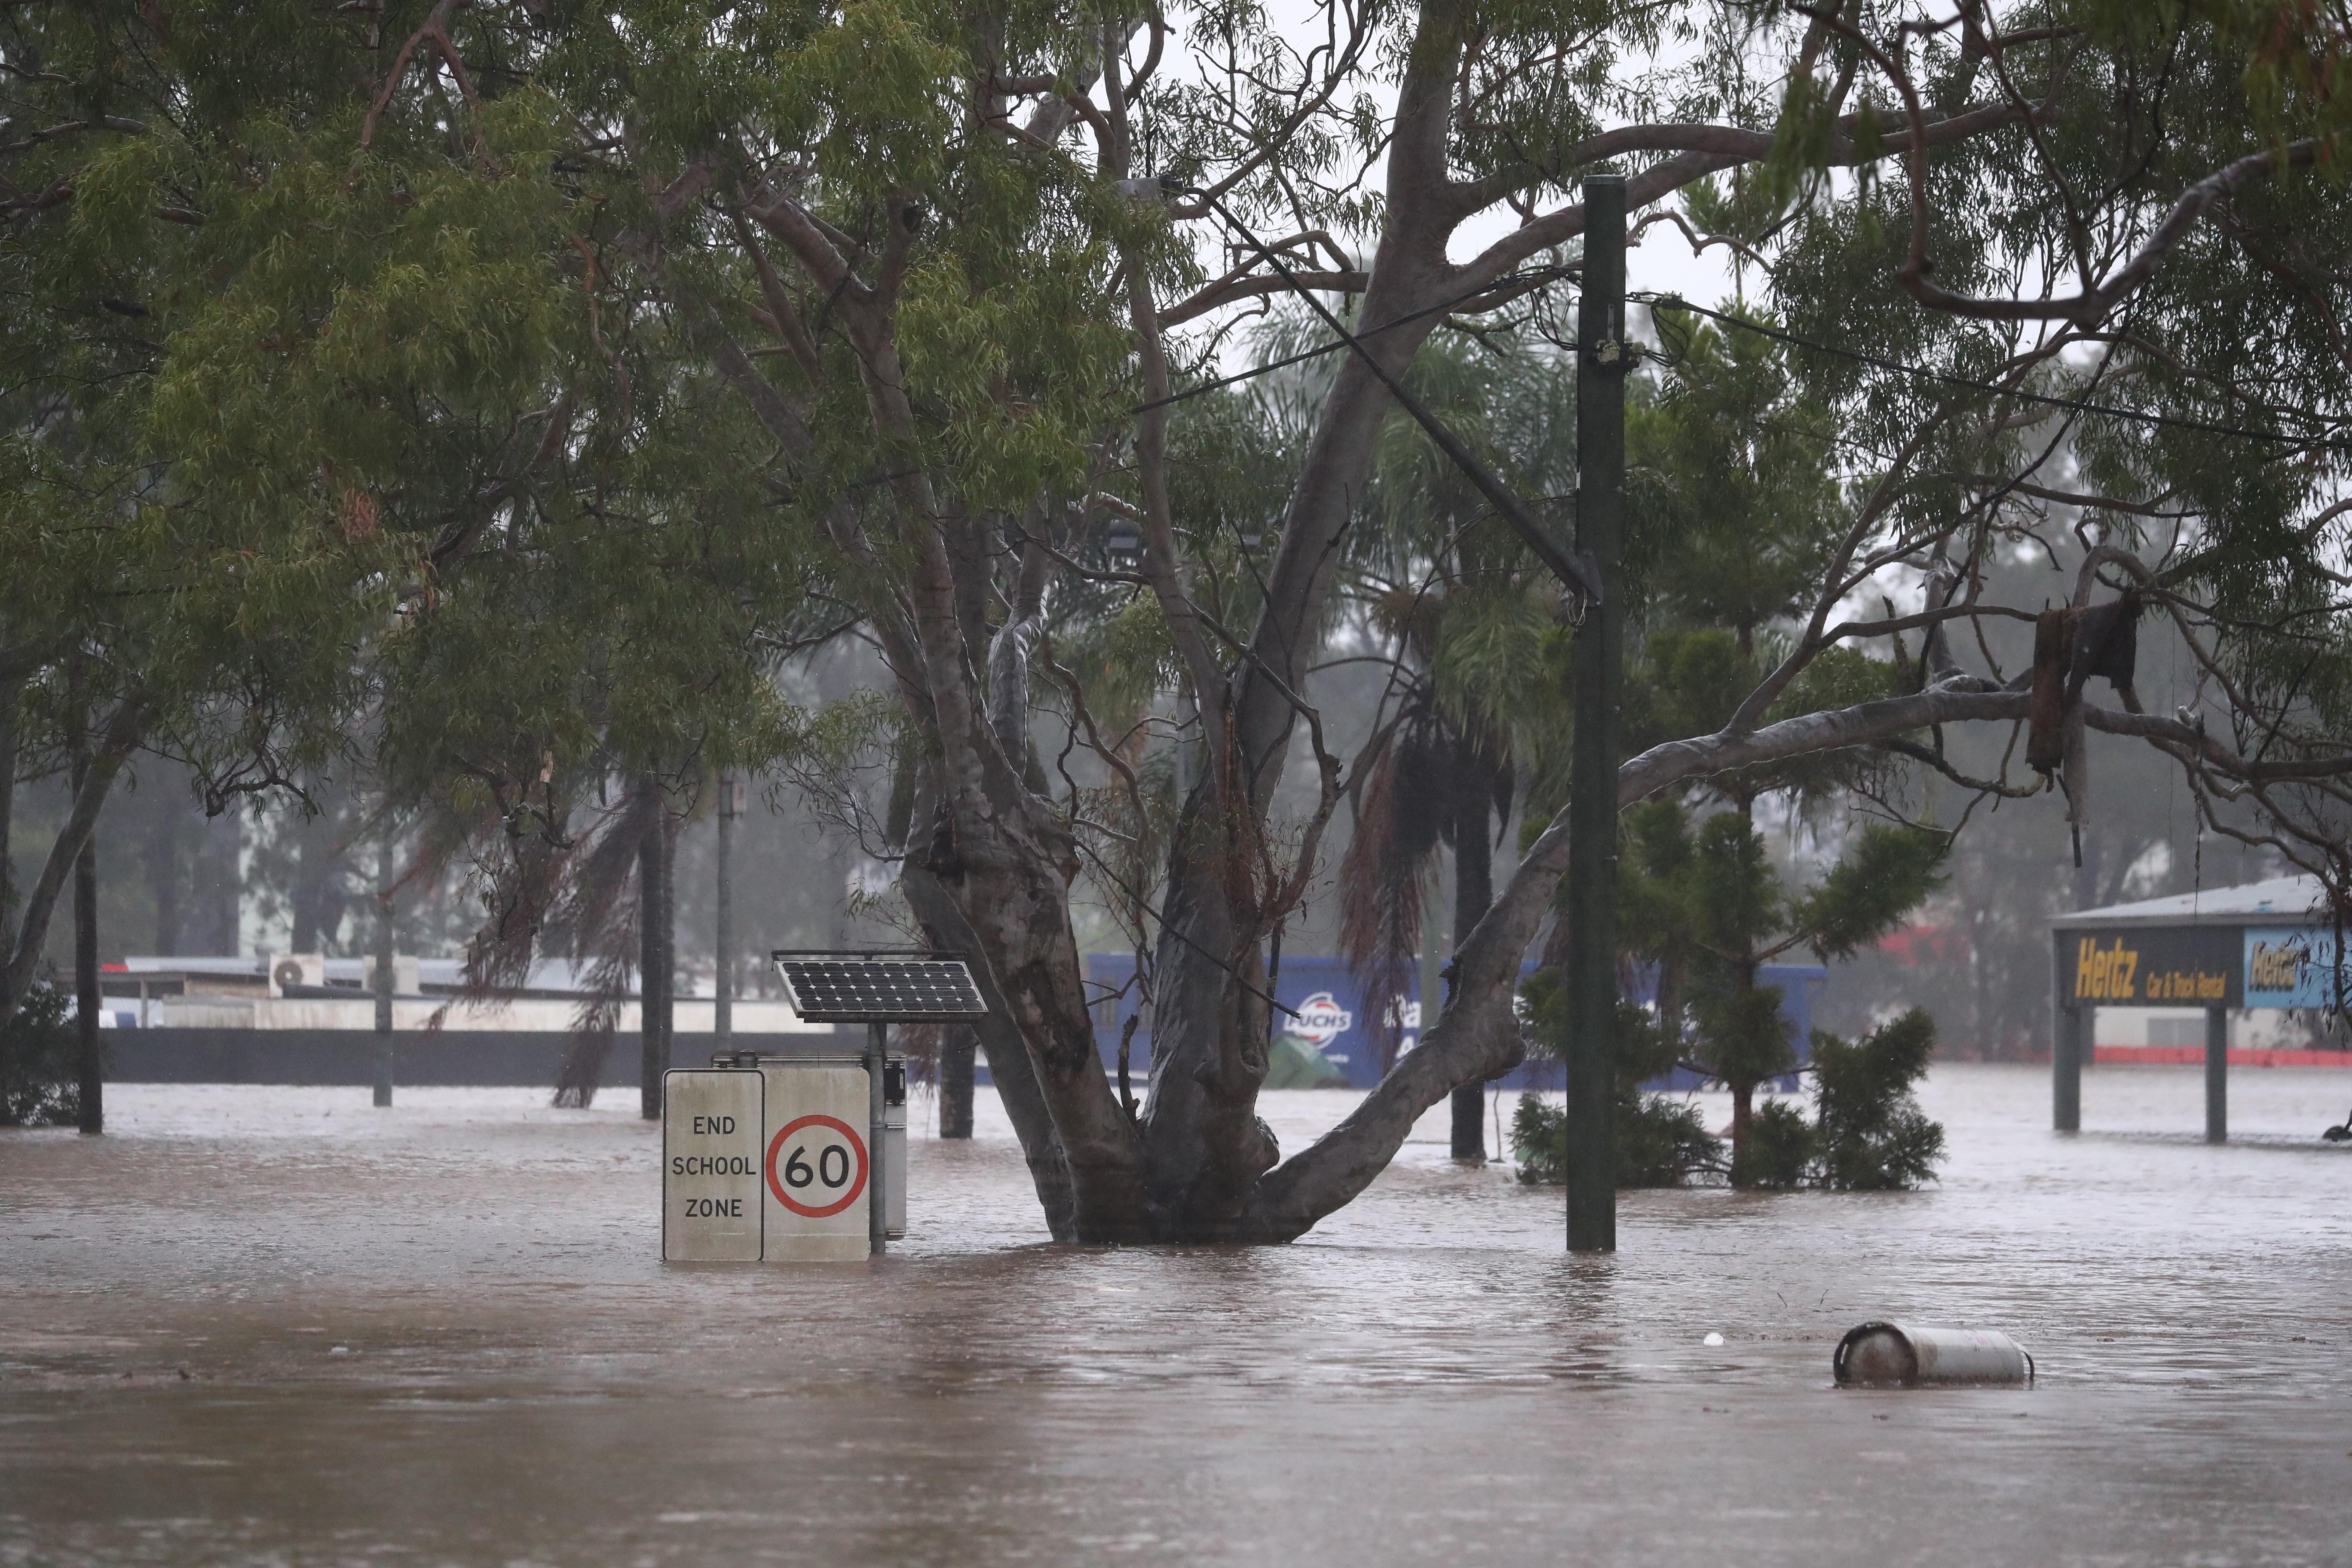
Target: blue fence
{"points": [[1336, 1023]]}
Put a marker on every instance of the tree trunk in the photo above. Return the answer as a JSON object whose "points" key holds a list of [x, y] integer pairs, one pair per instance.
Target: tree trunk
{"points": [[87, 1000], [1206, 1147], [7, 822], [1010, 1065], [957, 1052], [722, 923], [1743, 1090], [95, 765], [1743, 1106], [314, 872], [163, 873], [228, 889], [1474, 889], [655, 915], [387, 977]]}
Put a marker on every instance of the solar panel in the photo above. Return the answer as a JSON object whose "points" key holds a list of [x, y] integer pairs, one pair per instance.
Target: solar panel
{"points": [[864, 988]]}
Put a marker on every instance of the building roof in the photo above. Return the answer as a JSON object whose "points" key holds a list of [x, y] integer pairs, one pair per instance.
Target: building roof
{"points": [[2282, 900]]}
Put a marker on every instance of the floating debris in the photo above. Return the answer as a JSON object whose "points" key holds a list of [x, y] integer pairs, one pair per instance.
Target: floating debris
{"points": [[1910, 1355]]}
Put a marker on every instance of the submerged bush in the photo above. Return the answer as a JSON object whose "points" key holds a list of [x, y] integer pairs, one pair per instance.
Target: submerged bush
{"points": [[40, 1079], [1659, 1142], [1779, 1147], [1871, 1135], [1868, 1134]]}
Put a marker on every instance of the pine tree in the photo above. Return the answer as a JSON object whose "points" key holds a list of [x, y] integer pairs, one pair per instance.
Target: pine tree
{"points": [[1710, 910]]}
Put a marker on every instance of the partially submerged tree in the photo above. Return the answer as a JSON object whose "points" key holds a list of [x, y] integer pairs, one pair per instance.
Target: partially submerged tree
{"points": [[1867, 1133], [1709, 911], [1661, 1141]]}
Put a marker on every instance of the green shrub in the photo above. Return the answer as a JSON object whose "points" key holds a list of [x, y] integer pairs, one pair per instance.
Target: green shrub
{"points": [[40, 1080], [1539, 1141], [1873, 1136], [1778, 1149], [1660, 1143]]}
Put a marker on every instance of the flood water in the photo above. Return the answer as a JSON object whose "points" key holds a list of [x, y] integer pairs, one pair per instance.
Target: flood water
{"points": [[276, 1326]]}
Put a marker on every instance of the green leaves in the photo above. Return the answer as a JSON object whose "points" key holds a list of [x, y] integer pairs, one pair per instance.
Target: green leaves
{"points": [[1871, 1135], [1885, 874], [1731, 481]]}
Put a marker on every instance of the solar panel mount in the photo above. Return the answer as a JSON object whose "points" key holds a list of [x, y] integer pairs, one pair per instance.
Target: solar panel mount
{"points": [[878, 987]]}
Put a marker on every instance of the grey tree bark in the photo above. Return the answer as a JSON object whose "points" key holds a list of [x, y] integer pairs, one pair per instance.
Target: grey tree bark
{"points": [[656, 947]]}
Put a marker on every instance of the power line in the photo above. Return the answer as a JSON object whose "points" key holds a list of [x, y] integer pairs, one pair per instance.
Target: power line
{"points": [[2170, 421], [1540, 276], [1576, 571]]}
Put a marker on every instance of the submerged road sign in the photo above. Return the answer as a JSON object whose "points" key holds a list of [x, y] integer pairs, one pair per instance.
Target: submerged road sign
{"points": [[817, 1169], [712, 1124]]}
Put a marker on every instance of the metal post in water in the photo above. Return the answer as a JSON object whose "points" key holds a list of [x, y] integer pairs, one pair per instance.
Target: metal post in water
{"points": [[385, 980], [878, 1209], [2068, 1024], [1601, 361], [2217, 1075], [2066, 1068]]}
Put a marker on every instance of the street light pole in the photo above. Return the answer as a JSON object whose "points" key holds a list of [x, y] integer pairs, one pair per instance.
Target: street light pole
{"points": [[1602, 358]]}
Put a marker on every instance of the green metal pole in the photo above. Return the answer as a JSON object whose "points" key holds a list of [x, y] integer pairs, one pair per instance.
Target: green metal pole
{"points": [[2217, 1075], [1601, 362], [2071, 1023]]}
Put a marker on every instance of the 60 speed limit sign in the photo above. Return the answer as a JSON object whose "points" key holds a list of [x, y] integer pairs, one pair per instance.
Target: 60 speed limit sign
{"points": [[816, 1166]]}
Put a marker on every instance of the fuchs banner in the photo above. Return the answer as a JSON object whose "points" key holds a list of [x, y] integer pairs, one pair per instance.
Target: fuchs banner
{"points": [[2153, 966], [1338, 1023]]}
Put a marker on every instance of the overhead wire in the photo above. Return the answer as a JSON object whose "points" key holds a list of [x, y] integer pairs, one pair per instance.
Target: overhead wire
{"points": [[1667, 300], [2052, 400], [1539, 276]]}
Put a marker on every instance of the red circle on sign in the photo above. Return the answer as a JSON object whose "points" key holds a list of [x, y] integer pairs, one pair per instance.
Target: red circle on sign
{"points": [[857, 1147]]}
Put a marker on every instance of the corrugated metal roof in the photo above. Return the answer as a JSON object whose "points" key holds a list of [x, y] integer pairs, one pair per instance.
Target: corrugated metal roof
{"points": [[2282, 900]]}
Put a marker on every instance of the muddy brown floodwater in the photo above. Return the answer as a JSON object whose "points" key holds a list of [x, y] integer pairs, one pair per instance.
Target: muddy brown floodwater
{"points": [[276, 1326]]}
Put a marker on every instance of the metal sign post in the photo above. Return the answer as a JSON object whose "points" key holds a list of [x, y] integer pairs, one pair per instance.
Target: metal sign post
{"points": [[878, 989], [877, 1207]]}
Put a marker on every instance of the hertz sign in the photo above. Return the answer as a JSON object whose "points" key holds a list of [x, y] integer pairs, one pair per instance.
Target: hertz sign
{"points": [[2157, 967]]}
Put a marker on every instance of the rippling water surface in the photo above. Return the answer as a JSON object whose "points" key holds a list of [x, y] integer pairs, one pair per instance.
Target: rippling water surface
{"points": [[274, 1325]]}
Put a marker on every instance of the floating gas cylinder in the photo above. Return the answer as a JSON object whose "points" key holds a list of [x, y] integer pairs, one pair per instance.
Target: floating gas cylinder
{"points": [[1913, 1355]]}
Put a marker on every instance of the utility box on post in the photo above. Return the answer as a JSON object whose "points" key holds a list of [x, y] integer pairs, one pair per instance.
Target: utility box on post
{"points": [[894, 1147]]}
